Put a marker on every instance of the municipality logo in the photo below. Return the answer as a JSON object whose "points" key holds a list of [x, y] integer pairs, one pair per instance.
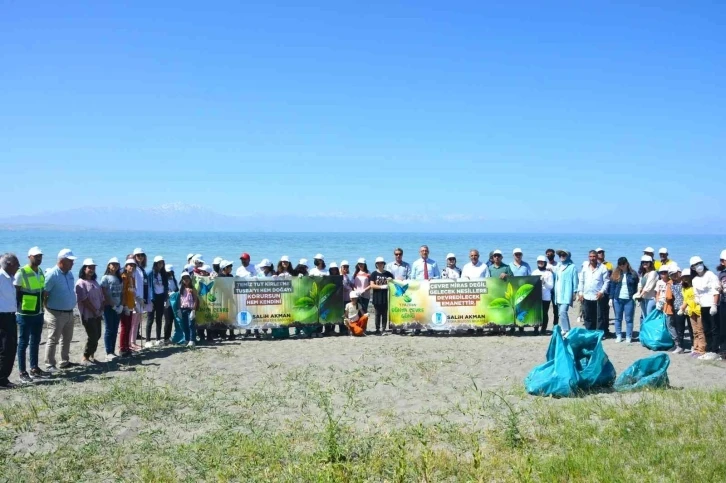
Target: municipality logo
{"points": [[439, 318], [244, 319]]}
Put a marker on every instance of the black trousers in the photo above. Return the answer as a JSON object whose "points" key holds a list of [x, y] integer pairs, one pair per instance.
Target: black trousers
{"points": [[591, 309], [555, 311], [8, 345], [156, 313], [710, 329], [381, 316], [546, 314], [168, 322], [722, 326], [603, 314]]}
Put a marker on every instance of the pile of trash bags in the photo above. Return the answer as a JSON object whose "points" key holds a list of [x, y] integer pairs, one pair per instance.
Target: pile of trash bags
{"points": [[578, 364]]}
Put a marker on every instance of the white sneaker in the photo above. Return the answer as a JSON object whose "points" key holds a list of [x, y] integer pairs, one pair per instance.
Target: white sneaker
{"points": [[618, 339], [709, 356], [191, 344], [677, 350], [148, 344], [160, 343], [628, 340], [51, 369], [110, 357]]}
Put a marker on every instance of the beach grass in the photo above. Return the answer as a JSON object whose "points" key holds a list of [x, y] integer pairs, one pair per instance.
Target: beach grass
{"points": [[312, 425]]}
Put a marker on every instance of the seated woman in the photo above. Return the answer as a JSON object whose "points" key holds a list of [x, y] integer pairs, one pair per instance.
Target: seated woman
{"points": [[354, 318]]}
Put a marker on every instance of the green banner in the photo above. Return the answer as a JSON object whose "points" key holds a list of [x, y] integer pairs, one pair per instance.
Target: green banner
{"points": [[456, 305], [254, 303]]}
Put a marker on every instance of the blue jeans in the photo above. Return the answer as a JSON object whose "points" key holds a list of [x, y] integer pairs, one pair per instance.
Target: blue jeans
{"points": [[646, 307], [564, 322], [624, 307], [30, 329], [112, 320], [189, 326]]}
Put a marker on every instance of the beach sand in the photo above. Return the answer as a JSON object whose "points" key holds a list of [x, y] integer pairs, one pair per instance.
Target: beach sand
{"points": [[392, 379]]}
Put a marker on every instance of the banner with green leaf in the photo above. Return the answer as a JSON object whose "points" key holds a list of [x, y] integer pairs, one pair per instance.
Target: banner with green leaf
{"points": [[253, 303], [465, 304]]}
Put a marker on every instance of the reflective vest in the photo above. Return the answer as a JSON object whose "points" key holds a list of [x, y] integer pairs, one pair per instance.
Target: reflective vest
{"points": [[31, 291]]}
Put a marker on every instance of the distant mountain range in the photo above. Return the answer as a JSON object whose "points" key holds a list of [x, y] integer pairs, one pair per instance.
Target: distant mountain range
{"points": [[187, 217]]}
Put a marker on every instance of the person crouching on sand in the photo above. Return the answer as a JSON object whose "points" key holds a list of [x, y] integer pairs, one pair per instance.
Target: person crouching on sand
{"points": [[355, 320]]}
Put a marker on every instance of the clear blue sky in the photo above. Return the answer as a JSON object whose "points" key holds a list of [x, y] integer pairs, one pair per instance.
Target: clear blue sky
{"points": [[562, 110]]}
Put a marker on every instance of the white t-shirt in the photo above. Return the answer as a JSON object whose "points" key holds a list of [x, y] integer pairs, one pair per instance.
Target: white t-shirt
{"points": [[8, 295], [248, 271], [351, 311], [548, 282], [475, 272], [316, 272], [704, 288]]}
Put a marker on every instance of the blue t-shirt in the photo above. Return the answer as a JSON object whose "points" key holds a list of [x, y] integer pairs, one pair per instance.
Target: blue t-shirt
{"points": [[61, 289]]}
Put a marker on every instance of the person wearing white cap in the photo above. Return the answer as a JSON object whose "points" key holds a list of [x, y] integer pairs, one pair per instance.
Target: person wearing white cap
{"points": [[29, 282], [497, 268], [266, 269], [159, 295], [333, 270], [692, 311], [424, 268], [650, 251], [284, 267], [603, 309], [519, 267], [128, 306], [112, 286], [355, 316], [623, 286], [646, 289], [90, 299], [348, 286], [661, 287], [706, 290], [601, 258], [451, 271], [318, 269], [216, 265], [60, 298], [143, 297], [664, 260], [362, 283], [379, 279], [722, 303], [475, 269], [566, 284], [401, 270], [548, 281], [169, 311], [9, 265], [674, 298], [301, 270], [225, 268]]}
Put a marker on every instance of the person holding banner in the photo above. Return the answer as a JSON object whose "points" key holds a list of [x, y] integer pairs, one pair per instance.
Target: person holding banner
{"points": [[319, 266], [379, 286], [189, 304], [451, 271], [548, 282], [266, 270], [354, 317], [424, 268], [499, 269], [475, 269], [247, 269], [362, 282], [302, 268], [284, 268], [566, 285], [401, 270], [348, 287]]}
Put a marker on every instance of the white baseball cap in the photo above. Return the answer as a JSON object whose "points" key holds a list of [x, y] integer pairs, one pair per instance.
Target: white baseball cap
{"points": [[723, 255], [67, 254], [673, 268], [695, 260], [284, 258], [186, 274], [158, 258], [599, 250], [361, 260], [113, 260], [34, 251], [225, 264], [646, 258], [197, 256], [497, 252], [88, 262], [380, 260], [217, 260], [190, 256], [205, 268], [686, 272], [170, 268], [319, 256], [663, 251], [516, 250], [139, 251], [648, 250], [130, 261], [353, 294], [450, 255], [303, 261], [542, 258], [664, 268], [265, 263], [333, 265], [344, 262]]}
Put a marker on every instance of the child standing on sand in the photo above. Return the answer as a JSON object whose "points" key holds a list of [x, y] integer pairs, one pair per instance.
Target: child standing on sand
{"points": [[128, 302], [692, 310], [354, 318]]}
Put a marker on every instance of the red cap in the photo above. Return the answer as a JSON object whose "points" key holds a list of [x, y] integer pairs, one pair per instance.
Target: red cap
{"points": [[244, 256]]}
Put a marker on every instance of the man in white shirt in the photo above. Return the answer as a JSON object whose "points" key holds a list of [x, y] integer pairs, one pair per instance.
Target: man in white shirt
{"points": [[475, 269], [401, 270], [548, 282], [9, 265], [594, 281], [247, 269], [424, 268]]}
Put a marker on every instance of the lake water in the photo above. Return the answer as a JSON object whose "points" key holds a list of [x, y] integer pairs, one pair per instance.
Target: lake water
{"points": [[175, 246]]}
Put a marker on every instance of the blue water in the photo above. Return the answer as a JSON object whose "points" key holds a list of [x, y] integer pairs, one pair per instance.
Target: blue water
{"points": [[175, 246]]}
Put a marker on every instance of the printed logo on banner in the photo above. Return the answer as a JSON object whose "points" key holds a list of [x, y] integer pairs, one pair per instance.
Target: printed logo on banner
{"points": [[244, 319], [438, 318]]}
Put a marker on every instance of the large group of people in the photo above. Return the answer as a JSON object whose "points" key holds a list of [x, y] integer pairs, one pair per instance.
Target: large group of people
{"points": [[115, 306]]}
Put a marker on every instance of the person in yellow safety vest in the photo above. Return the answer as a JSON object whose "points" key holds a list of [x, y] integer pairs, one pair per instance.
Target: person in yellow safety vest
{"points": [[29, 283]]}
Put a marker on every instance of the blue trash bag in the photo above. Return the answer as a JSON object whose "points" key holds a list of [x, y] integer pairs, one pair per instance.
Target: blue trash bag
{"points": [[179, 337], [558, 376], [650, 372], [591, 361], [654, 332]]}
